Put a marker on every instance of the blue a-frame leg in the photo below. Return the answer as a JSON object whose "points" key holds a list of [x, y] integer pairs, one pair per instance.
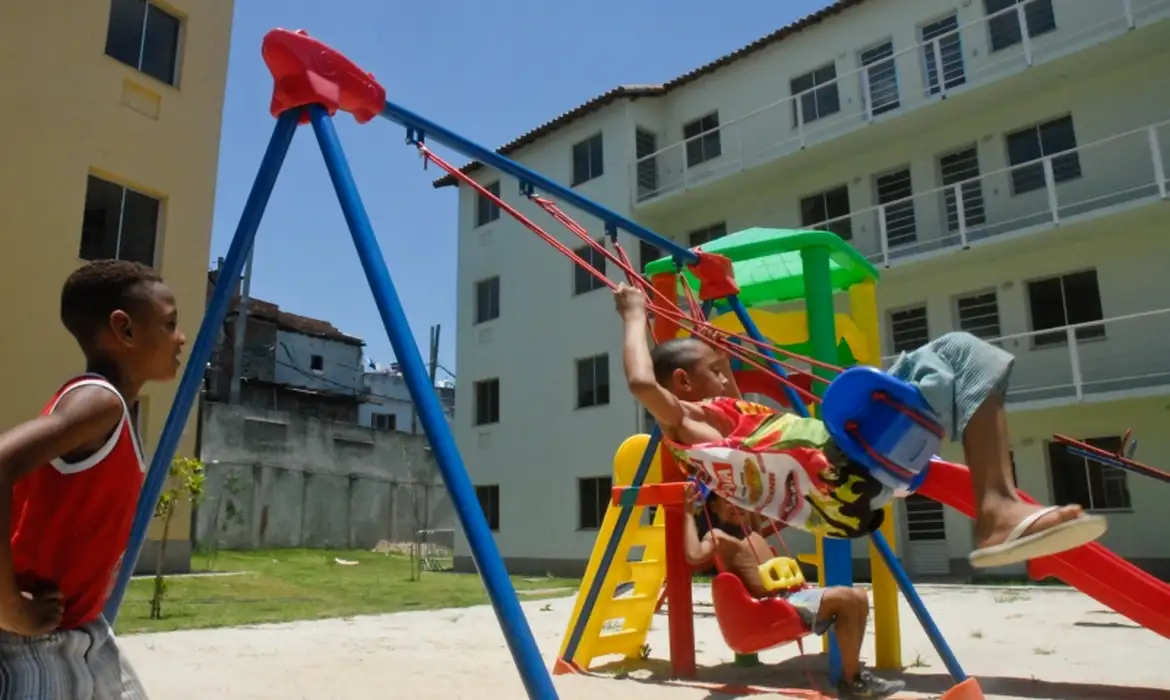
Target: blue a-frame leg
{"points": [[487, 558]]}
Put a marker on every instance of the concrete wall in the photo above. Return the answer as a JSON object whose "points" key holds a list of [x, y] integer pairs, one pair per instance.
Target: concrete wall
{"points": [[280, 480]]}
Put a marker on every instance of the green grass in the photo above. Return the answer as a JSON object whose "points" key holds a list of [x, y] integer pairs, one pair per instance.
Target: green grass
{"points": [[297, 584]]}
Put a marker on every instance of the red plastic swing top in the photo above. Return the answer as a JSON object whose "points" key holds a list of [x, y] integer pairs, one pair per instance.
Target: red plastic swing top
{"points": [[306, 71]]}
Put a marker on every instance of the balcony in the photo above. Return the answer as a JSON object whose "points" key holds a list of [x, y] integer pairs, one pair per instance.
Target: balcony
{"points": [[1115, 358], [1121, 172], [888, 86]]}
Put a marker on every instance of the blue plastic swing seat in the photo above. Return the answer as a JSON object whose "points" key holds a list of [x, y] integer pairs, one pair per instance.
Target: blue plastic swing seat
{"points": [[864, 407]]}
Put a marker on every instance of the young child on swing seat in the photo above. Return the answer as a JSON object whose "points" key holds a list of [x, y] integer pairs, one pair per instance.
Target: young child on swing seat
{"points": [[788, 468], [735, 540]]}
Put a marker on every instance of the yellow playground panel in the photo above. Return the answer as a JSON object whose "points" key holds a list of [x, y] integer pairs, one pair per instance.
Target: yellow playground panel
{"points": [[628, 593]]}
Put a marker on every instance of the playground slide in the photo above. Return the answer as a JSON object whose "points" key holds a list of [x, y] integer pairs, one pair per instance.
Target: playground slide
{"points": [[1091, 569]]}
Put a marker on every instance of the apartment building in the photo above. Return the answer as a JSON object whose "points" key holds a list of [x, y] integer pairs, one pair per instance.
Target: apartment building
{"points": [[1003, 163], [109, 140]]}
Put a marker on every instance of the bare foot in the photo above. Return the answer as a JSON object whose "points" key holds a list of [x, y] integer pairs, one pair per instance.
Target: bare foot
{"points": [[994, 527]]}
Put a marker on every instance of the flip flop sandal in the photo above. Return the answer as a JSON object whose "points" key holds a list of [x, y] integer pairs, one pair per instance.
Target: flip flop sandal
{"points": [[1019, 547]]}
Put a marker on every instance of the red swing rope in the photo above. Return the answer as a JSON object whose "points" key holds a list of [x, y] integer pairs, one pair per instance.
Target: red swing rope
{"points": [[660, 304], [667, 309], [559, 214]]}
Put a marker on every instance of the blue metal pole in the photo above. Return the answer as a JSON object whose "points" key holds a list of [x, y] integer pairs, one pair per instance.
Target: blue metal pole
{"points": [[487, 558], [749, 325], [919, 608], [438, 134], [213, 317]]}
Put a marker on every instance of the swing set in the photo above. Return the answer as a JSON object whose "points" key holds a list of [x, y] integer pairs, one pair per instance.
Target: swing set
{"points": [[873, 417]]}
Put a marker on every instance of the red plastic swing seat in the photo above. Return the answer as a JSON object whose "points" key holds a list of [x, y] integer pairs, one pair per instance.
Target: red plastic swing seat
{"points": [[751, 625]]}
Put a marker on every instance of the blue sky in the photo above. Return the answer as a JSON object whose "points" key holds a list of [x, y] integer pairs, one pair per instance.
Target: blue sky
{"points": [[475, 67]]}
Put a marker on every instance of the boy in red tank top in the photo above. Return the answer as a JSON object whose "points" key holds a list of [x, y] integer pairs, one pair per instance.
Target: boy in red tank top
{"points": [[69, 483]]}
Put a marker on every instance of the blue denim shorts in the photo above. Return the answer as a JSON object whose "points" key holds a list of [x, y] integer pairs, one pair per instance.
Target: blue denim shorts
{"points": [[807, 602]]}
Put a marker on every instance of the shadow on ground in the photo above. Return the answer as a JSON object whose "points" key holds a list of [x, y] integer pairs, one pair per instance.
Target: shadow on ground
{"points": [[810, 673]]}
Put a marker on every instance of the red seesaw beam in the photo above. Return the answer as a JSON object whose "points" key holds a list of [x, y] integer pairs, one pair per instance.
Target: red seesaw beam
{"points": [[671, 494]]}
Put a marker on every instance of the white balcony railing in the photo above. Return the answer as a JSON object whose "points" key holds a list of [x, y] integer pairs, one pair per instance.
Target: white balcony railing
{"points": [[1121, 171], [1070, 363], [890, 83]]}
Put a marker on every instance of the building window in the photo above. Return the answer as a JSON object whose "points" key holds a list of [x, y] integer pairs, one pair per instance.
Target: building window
{"points": [[706, 234], [594, 494], [384, 421], [145, 37], [1062, 301], [587, 160], [487, 211], [1027, 146], [896, 191], [648, 421], [593, 381], [963, 167], [645, 148], [881, 78], [487, 299], [317, 363], [584, 281], [118, 223], [816, 94], [1092, 485], [489, 502], [647, 253], [1004, 29], [942, 45], [487, 401], [828, 211], [979, 314], [702, 137], [908, 329]]}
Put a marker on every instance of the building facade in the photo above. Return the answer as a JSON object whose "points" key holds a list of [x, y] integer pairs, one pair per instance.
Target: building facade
{"points": [[1003, 163], [388, 403], [290, 363], [110, 146]]}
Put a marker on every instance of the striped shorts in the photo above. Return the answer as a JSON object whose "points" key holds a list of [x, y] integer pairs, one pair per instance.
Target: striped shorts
{"points": [[956, 373], [75, 664]]}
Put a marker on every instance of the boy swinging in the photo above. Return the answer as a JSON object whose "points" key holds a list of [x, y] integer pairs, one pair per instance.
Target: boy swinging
{"points": [[789, 469]]}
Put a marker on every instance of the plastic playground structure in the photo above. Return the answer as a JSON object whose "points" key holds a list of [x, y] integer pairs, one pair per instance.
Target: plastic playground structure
{"points": [[731, 278]]}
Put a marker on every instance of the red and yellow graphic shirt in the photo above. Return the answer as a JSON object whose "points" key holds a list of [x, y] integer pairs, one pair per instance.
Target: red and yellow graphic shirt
{"points": [[775, 464]]}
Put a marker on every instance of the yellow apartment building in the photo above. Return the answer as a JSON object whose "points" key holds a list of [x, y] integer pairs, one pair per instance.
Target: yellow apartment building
{"points": [[109, 139]]}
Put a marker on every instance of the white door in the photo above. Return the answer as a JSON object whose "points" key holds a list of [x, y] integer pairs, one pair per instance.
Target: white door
{"points": [[926, 535]]}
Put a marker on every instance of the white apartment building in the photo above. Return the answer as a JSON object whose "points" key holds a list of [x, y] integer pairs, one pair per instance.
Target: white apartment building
{"points": [[1004, 164]]}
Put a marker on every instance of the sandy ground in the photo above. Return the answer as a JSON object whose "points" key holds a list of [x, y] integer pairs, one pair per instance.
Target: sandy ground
{"points": [[1020, 643]]}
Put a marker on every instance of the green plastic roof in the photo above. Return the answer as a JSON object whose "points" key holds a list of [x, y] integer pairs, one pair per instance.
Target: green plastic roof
{"points": [[768, 267]]}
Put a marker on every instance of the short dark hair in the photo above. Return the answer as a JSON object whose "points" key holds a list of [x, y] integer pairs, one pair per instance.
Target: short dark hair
{"points": [[676, 353], [96, 290]]}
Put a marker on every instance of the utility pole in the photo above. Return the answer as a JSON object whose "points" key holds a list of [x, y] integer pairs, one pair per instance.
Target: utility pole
{"points": [[240, 330], [434, 357]]}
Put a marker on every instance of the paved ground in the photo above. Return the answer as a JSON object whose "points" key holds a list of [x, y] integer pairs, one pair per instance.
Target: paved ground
{"points": [[1021, 643]]}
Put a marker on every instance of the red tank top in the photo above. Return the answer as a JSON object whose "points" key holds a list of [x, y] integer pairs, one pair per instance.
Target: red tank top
{"points": [[71, 521]]}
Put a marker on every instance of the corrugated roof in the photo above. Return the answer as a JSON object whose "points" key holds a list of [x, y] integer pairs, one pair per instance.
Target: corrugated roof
{"points": [[636, 91]]}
